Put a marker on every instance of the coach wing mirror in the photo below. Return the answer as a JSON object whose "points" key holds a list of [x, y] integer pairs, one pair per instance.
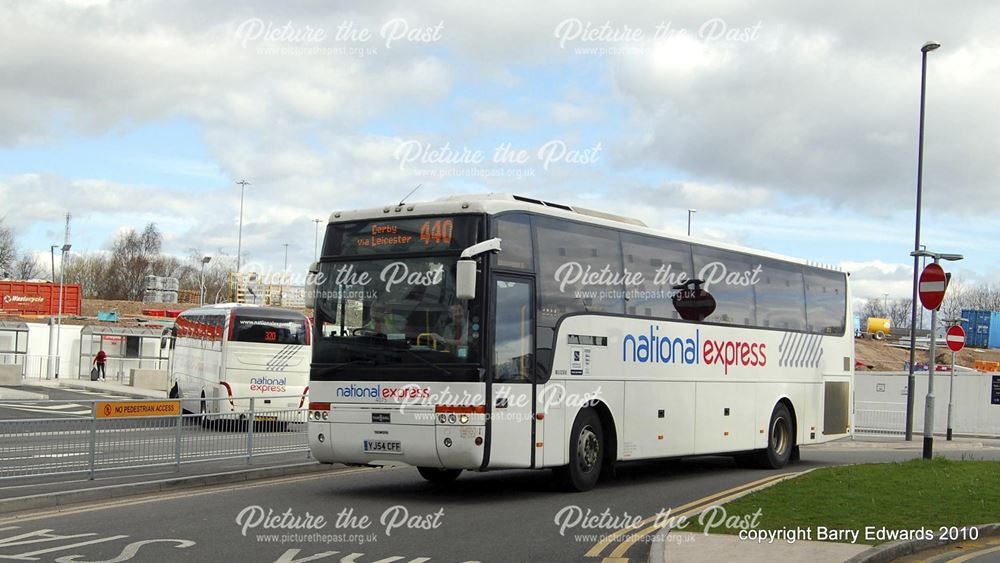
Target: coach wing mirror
{"points": [[312, 281], [465, 274]]}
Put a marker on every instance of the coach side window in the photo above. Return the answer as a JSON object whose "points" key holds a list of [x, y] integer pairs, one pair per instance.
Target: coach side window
{"points": [[580, 270], [780, 294], [730, 278], [514, 231], [662, 264], [826, 301]]}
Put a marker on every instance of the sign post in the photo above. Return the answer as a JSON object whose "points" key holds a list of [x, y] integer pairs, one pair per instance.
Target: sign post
{"points": [[932, 284], [956, 341]]}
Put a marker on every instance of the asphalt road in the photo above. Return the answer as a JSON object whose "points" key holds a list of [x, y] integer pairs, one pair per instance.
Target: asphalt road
{"points": [[61, 403], [393, 515]]}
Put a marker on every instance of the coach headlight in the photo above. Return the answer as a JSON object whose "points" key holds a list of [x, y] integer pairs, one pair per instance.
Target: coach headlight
{"points": [[464, 419]]}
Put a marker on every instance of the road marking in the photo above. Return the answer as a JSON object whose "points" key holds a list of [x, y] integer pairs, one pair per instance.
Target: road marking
{"points": [[53, 409], [614, 536], [735, 493], [156, 497], [978, 553], [975, 554], [675, 513]]}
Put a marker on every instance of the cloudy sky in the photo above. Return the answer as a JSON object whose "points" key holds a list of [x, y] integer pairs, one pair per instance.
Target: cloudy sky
{"points": [[789, 126]]}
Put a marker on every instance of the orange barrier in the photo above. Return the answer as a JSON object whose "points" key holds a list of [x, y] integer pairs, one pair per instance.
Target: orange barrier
{"points": [[983, 365]]}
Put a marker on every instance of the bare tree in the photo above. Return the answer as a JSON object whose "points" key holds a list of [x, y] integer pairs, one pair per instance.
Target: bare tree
{"points": [[133, 257], [217, 282], [899, 313], [26, 268], [8, 249], [93, 272]]}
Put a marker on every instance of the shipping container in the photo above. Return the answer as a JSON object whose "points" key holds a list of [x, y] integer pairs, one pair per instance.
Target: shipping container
{"points": [[38, 299], [982, 329]]}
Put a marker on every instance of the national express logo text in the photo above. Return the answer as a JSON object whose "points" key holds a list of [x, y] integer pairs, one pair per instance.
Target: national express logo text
{"points": [[654, 348], [268, 384], [379, 392]]}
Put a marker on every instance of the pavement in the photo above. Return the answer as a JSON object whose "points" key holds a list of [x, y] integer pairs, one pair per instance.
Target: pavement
{"points": [[677, 546], [111, 387]]}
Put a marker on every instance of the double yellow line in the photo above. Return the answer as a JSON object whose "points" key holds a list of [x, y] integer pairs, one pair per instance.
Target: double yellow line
{"points": [[628, 537]]}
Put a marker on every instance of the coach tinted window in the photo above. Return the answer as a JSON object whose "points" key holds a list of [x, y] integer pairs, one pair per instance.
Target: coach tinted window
{"points": [[780, 296], [580, 270], [730, 278], [826, 301], [660, 264], [514, 231], [269, 330]]}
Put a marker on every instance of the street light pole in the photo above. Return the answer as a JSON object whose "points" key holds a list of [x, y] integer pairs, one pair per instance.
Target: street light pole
{"points": [[204, 260], [929, 46], [316, 240], [690, 211], [62, 278], [239, 240], [52, 252]]}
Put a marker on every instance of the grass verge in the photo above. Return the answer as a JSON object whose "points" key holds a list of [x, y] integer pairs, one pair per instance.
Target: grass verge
{"points": [[914, 495]]}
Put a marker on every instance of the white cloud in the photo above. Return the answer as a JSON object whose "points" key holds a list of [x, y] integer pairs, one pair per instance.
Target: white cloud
{"points": [[805, 134]]}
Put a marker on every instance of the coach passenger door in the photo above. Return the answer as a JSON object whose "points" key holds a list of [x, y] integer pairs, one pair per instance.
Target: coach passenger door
{"points": [[512, 397]]}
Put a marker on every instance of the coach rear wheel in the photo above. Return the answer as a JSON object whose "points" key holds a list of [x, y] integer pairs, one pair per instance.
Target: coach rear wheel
{"points": [[586, 453], [780, 439], [439, 476], [206, 421]]}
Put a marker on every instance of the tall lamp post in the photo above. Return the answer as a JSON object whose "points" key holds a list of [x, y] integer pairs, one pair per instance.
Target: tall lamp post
{"points": [[690, 211], [928, 47], [316, 240], [62, 278], [52, 252], [284, 275], [204, 260], [239, 238], [932, 360]]}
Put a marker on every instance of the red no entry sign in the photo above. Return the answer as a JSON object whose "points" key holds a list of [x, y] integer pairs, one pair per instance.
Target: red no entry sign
{"points": [[932, 285], [955, 338]]}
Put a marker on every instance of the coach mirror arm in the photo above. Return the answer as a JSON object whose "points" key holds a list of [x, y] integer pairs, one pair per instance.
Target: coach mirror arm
{"points": [[465, 275]]}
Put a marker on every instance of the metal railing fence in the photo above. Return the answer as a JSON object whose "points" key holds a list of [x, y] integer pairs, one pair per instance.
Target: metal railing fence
{"points": [[879, 418], [59, 437]]}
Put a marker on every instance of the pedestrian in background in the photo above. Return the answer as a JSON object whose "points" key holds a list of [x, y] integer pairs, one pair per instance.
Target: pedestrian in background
{"points": [[99, 363]]}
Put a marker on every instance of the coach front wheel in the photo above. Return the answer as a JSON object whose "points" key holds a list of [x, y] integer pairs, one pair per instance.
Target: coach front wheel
{"points": [[586, 453], [439, 476]]}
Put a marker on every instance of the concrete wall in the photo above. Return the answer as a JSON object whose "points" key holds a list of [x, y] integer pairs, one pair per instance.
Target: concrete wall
{"points": [[10, 375], [150, 379], [973, 413]]}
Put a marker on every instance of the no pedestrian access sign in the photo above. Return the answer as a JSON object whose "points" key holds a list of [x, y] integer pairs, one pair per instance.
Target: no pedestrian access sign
{"points": [[120, 409], [955, 338], [932, 285]]}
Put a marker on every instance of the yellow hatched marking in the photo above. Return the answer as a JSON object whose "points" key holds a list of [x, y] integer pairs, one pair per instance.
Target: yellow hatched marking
{"points": [[628, 544], [615, 536]]}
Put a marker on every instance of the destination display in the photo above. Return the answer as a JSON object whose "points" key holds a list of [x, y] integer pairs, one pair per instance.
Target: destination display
{"points": [[394, 234]]}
